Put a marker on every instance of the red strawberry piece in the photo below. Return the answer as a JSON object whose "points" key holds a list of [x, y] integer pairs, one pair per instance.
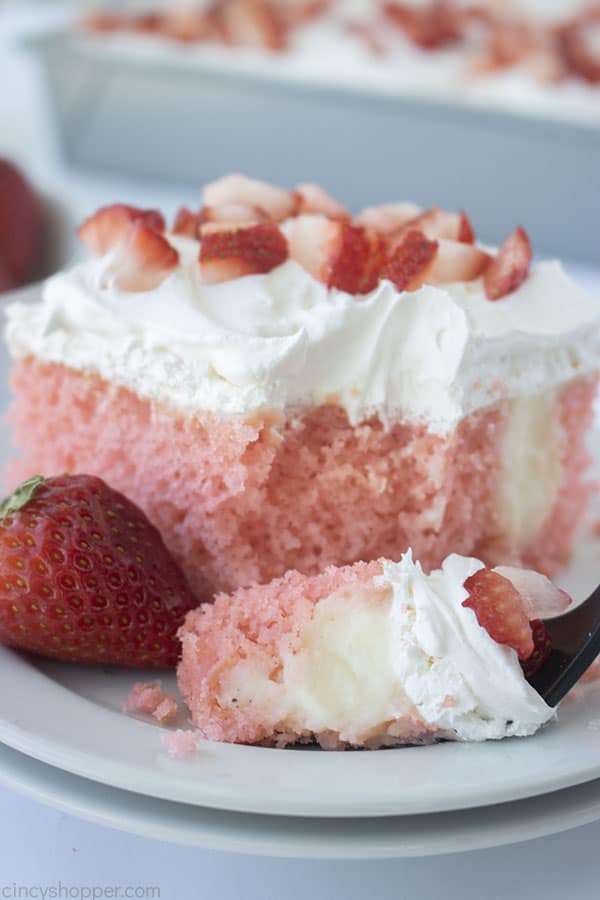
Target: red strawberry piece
{"points": [[186, 222], [21, 221], [187, 26], [466, 232], [103, 21], [440, 223], [109, 225], [577, 48], [278, 203], [437, 24], [457, 262], [147, 23], [509, 42], [388, 217], [500, 610], [344, 256], [143, 259], [509, 268], [153, 219], [410, 260], [232, 214], [313, 199], [253, 23], [542, 647], [301, 12], [541, 598], [86, 577], [227, 253]]}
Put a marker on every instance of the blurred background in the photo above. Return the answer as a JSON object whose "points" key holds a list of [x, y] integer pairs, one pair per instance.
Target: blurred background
{"points": [[492, 106]]}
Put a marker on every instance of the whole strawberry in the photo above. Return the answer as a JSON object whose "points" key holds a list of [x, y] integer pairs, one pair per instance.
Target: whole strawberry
{"points": [[85, 577]]}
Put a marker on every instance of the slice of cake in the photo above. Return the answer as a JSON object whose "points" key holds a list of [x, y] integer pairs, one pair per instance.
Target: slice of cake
{"points": [[371, 655], [280, 386]]}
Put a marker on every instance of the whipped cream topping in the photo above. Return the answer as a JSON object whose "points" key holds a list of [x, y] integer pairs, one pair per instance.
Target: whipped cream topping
{"points": [[284, 341], [460, 680], [375, 657]]}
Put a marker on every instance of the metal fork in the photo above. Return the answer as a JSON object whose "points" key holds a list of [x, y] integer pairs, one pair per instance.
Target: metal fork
{"points": [[575, 640]]}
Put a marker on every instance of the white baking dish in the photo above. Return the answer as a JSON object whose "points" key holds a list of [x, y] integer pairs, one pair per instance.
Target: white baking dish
{"points": [[190, 118]]}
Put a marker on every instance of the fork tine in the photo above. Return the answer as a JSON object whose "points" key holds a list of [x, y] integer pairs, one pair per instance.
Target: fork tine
{"points": [[575, 640]]}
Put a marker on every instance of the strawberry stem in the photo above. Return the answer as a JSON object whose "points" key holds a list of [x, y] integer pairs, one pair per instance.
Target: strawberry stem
{"points": [[20, 496]]}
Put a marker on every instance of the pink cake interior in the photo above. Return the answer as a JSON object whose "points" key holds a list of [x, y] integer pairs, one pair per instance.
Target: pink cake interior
{"points": [[249, 626], [240, 502]]}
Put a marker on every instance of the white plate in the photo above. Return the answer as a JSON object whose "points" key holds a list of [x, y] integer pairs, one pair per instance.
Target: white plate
{"points": [[69, 716], [383, 838]]}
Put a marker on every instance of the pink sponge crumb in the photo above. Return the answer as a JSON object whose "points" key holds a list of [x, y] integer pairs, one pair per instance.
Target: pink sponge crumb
{"points": [[249, 627], [241, 501], [148, 697], [180, 743]]}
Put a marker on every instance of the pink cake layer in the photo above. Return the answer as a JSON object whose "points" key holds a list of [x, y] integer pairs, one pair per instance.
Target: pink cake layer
{"points": [[240, 502], [250, 626]]}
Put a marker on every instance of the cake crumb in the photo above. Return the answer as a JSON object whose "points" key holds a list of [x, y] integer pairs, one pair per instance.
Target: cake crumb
{"points": [[148, 697], [180, 743]]}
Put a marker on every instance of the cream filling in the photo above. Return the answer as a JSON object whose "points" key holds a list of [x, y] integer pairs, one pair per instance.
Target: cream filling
{"points": [[374, 659], [532, 464]]}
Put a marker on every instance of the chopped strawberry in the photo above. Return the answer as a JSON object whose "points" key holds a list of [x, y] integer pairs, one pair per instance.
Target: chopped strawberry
{"points": [[86, 577], [466, 233], [186, 222], [253, 23], [227, 253], [300, 12], [509, 42], [440, 223], [143, 259], [388, 217], [109, 225], [541, 597], [103, 21], [509, 268], [410, 261], [578, 49], [147, 23], [340, 255], [232, 214], [457, 262], [278, 203], [434, 25], [187, 25], [542, 648], [153, 219], [500, 610], [313, 199]]}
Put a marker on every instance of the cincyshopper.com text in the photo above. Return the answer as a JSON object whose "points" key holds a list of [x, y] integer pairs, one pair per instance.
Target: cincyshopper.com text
{"points": [[60, 891]]}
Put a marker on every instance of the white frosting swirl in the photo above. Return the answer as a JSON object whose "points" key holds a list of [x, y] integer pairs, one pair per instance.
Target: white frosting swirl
{"points": [[460, 680], [284, 341]]}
